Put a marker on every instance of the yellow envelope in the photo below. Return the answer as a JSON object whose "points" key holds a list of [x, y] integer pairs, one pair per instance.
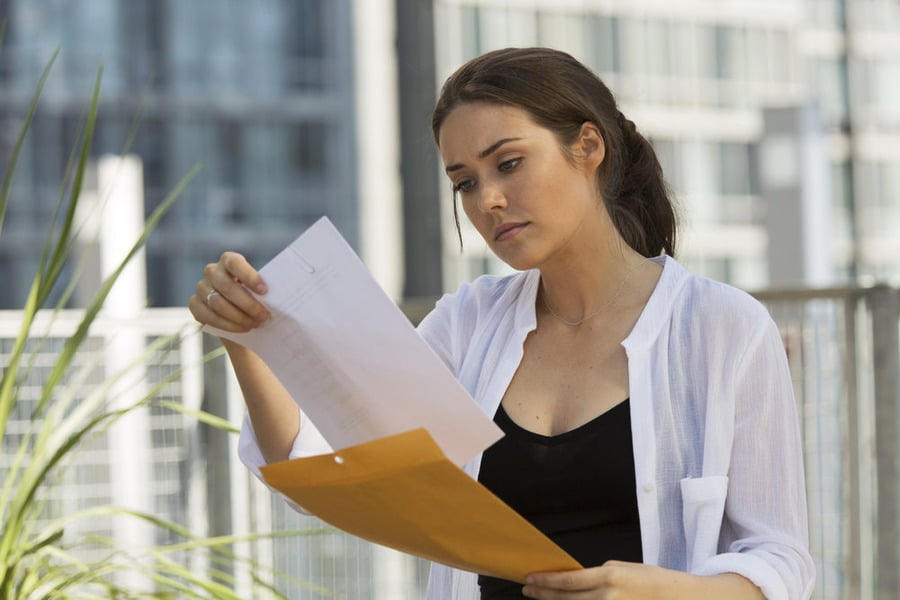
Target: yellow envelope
{"points": [[402, 492]]}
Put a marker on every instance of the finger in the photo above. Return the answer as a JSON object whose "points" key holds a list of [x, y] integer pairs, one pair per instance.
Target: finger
{"points": [[217, 303], [233, 291], [556, 581], [539, 593], [206, 316], [584, 579], [233, 301], [241, 270]]}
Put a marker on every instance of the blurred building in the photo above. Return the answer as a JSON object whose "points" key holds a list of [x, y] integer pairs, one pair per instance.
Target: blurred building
{"points": [[264, 94], [304, 108], [698, 78]]}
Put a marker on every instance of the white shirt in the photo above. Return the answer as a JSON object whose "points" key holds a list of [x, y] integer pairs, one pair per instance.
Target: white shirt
{"points": [[717, 448]]}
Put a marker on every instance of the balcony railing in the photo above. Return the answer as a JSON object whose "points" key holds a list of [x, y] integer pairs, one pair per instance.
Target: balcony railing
{"points": [[842, 346]]}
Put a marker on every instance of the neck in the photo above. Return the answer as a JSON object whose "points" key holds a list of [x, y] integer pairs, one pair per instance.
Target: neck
{"points": [[575, 292]]}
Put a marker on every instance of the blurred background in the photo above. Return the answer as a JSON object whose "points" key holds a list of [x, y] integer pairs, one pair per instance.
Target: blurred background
{"points": [[299, 108], [777, 123]]}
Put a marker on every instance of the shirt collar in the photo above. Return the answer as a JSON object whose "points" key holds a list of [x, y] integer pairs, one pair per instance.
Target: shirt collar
{"points": [[656, 313]]}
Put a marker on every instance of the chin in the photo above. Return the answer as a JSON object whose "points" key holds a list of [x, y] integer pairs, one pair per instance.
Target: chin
{"points": [[518, 261]]}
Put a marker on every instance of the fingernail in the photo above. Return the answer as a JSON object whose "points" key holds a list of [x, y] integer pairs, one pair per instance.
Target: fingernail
{"points": [[261, 288]]}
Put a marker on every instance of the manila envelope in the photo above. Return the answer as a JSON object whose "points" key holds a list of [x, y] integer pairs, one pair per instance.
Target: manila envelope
{"points": [[401, 491]]}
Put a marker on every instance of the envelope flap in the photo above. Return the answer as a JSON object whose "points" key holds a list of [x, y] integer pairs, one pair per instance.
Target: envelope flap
{"points": [[363, 461]]}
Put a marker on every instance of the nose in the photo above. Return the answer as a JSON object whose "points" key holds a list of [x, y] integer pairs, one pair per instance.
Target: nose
{"points": [[492, 198]]}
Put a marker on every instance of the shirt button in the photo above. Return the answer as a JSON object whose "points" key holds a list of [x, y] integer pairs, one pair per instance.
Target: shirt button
{"points": [[648, 487]]}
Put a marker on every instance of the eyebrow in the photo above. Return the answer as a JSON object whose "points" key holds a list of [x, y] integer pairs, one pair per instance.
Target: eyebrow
{"points": [[484, 153]]}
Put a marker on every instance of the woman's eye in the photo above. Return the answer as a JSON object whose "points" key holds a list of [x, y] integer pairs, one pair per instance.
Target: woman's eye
{"points": [[463, 186], [509, 165]]}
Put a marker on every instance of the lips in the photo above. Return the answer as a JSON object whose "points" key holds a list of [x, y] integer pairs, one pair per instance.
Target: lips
{"points": [[507, 231]]}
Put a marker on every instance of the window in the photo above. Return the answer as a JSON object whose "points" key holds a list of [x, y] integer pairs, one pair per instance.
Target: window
{"points": [[830, 81], [305, 34], [884, 90], [307, 150], [603, 40], [738, 168]]}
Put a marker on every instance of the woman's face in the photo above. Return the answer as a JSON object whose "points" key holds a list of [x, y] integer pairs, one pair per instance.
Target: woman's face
{"points": [[529, 201]]}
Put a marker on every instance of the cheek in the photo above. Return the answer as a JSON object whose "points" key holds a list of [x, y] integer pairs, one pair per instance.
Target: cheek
{"points": [[465, 202], [482, 223], [468, 208]]}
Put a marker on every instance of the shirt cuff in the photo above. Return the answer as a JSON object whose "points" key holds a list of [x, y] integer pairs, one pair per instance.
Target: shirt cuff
{"points": [[761, 573], [309, 442]]}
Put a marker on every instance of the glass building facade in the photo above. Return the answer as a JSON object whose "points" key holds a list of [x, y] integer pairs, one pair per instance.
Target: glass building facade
{"points": [[696, 78], [260, 93]]}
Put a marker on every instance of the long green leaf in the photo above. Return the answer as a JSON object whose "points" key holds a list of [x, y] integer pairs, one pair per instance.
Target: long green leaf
{"points": [[137, 560], [39, 565], [75, 341], [57, 247], [61, 248], [20, 140], [21, 505], [199, 415], [64, 571], [16, 515], [10, 372], [36, 472], [27, 489], [56, 423]]}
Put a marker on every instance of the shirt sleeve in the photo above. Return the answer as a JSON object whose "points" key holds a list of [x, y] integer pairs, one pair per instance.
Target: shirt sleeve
{"points": [[766, 510], [444, 328], [309, 442]]}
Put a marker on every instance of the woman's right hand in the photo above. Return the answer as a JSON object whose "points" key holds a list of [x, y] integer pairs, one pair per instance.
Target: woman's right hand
{"points": [[222, 298]]}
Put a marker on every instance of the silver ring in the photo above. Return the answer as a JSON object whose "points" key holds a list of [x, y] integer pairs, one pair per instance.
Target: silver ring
{"points": [[212, 292]]}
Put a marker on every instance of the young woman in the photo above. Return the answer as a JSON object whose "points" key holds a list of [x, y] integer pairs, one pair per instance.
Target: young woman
{"points": [[650, 423]]}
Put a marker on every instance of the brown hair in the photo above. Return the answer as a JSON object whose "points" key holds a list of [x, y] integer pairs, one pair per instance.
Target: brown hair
{"points": [[562, 94]]}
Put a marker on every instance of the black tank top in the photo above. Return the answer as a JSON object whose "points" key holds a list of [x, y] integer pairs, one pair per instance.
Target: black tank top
{"points": [[577, 487]]}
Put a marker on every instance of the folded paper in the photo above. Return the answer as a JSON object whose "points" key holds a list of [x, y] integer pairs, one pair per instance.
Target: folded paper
{"points": [[349, 356]]}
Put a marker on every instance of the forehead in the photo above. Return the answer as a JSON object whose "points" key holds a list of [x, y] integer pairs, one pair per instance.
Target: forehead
{"points": [[473, 126]]}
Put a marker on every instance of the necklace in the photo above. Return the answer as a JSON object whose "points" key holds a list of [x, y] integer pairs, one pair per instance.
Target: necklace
{"points": [[612, 299]]}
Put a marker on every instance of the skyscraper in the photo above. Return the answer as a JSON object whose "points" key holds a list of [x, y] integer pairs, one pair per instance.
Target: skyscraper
{"points": [[262, 94]]}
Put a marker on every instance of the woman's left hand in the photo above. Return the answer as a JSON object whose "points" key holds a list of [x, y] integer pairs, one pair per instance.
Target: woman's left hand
{"points": [[617, 580], [613, 580]]}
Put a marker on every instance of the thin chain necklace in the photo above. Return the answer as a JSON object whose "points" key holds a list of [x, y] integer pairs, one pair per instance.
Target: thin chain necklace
{"points": [[609, 303]]}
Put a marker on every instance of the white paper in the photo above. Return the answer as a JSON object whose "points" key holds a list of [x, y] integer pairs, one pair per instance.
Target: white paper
{"points": [[351, 359]]}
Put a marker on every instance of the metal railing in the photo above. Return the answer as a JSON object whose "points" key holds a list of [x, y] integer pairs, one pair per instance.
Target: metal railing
{"points": [[842, 346]]}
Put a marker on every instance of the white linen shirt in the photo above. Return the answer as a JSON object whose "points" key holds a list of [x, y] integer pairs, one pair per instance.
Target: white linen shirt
{"points": [[717, 449]]}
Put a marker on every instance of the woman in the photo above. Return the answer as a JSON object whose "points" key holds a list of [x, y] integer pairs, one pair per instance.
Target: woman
{"points": [[651, 426]]}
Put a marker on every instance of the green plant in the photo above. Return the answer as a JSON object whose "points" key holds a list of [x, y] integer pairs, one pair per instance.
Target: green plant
{"points": [[37, 557]]}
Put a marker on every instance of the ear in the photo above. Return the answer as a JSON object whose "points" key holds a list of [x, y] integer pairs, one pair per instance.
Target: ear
{"points": [[590, 146]]}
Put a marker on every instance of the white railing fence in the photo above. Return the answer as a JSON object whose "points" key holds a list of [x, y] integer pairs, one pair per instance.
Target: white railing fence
{"points": [[843, 349]]}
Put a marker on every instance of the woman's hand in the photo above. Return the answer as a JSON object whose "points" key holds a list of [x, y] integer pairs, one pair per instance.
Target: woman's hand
{"points": [[616, 580], [221, 298]]}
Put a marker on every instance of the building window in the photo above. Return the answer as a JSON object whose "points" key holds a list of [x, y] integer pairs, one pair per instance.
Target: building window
{"points": [[603, 40], [830, 81], [738, 168], [882, 90], [305, 33]]}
